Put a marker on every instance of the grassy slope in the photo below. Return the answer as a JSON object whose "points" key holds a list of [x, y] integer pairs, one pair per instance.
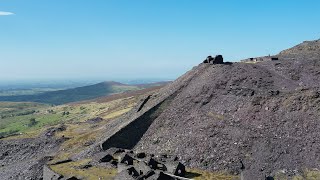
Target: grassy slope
{"points": [[16, 116], [71, 169], [73, 95], [31, 91]]}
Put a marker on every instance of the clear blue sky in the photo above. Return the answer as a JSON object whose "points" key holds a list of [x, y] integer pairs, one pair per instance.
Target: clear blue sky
{"points": [[111, 39]]}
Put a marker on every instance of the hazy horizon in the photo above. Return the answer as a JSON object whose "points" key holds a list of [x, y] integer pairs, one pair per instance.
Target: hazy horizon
{"points": [[68, 83], [110, 40]]}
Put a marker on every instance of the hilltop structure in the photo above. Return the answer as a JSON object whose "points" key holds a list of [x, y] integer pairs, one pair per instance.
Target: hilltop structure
{"points": [[261, 59], [216, 60]]}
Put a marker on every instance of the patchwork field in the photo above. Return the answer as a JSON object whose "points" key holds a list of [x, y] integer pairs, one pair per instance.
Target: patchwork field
{"points": [[26, 118]]}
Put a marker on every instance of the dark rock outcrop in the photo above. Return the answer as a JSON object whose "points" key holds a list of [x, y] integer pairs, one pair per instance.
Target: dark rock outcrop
{"points": [[106, 158], [50, 132], [94, 120], [208, 59], [141, 155], [146, 168], [216, 60], [126, 159]]}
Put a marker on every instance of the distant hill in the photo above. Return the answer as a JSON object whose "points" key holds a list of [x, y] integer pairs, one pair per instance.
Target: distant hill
{"points": [[79, 93]]}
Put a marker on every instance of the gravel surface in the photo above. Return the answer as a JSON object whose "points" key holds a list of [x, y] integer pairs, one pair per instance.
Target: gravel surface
{"points": [[24, 158]]}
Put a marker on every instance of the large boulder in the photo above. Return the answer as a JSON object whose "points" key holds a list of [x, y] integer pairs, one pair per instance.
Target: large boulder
{"points": [[141, 155], [106, 158], [149, 175], [208, 59], [50, 132], [218, 60], [126, 159]]}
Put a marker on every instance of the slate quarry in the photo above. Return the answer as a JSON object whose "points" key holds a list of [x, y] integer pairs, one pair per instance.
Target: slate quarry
{"points": [[254, 119], [249, 119]]}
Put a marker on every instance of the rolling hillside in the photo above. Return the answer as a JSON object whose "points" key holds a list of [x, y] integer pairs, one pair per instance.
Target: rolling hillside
{"points": [[77, 94]]}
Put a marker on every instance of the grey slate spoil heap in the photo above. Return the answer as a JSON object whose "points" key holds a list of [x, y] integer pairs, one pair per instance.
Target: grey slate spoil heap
{"points": [[140, 166]]}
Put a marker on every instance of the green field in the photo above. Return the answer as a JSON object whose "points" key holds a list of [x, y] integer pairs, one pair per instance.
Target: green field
{"points": [[21, 117], [15, 116], [32, 91], [27, 113]]}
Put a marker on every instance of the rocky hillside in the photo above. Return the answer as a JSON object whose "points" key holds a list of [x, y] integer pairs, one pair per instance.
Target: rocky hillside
{"points": [[258, 119], [308, 49]]}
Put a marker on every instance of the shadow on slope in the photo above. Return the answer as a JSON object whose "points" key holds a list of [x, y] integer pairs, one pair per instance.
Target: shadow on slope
{"points": [[129, 136]]}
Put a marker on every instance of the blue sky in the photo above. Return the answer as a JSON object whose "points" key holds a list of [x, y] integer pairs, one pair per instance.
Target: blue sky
{"points": [[128, 39]]}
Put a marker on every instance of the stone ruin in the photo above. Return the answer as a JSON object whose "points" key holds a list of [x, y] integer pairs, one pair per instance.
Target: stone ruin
{"points": [[214, 60], [130, 166], [142, 166], [261, 59]]}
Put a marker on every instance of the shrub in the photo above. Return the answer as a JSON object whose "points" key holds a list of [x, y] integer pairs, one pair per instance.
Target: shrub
{"points": [[32, 122], [7, 133]]}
